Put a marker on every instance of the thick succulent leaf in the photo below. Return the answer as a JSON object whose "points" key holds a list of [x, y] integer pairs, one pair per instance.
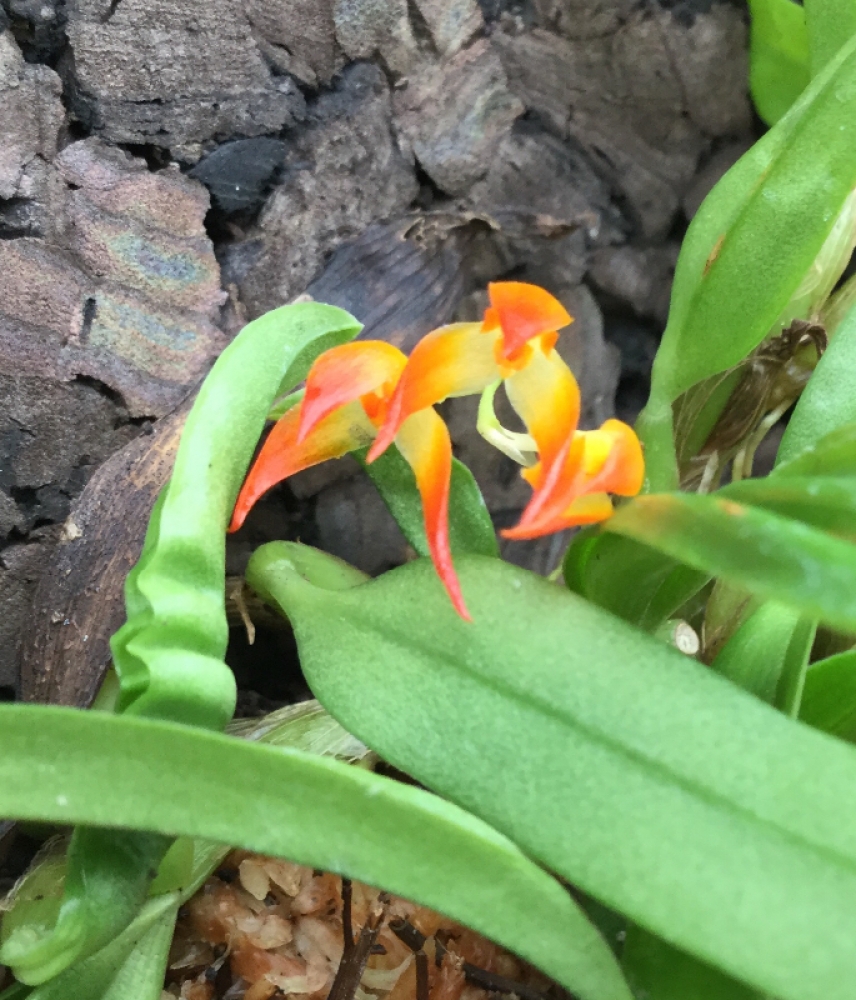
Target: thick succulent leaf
{"points": [[829, 696], [772, 556], [637, 774], [175, 780], [778, 56], [470, 527]]}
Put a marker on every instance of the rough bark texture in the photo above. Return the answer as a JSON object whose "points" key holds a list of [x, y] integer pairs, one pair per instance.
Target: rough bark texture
{"points": [[169, 169]]}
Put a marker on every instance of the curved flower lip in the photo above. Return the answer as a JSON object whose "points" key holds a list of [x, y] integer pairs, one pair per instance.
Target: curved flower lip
{"points": [[522, 312], [574, 489]]}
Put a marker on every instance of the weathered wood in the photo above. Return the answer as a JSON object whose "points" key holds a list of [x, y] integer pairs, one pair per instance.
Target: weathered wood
{"points": [[124, 288], [173, 73], [344, 172]]}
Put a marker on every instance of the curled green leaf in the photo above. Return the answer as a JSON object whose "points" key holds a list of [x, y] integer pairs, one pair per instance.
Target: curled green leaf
{"points": [[312, 810]]}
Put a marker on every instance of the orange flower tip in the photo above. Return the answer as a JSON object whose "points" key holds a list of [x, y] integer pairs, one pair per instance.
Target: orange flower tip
{"points": [[524, 311]]}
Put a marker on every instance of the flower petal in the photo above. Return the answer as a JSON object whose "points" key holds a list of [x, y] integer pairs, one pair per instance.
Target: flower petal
{"points": [[524, 311], [589, 509], [347, 373], [424, 442], [594, 463], [546, 397], [282, 456], [453, 360]]}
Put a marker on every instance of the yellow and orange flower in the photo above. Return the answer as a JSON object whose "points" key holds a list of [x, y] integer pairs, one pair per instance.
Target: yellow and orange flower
{"points": [[368, 391]]}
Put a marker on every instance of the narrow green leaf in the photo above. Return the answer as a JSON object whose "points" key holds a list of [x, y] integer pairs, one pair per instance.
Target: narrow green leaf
{"points": [[778, 56], [470, 527], [637, 774], [826, 502], [768, 653], [771, 556], [829, 697], [635, 582], [176, 780], [833, 454], [657, 971]]}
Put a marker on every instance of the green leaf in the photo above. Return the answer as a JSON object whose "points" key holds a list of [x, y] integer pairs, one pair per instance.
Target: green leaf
{"points": [[834, 454], [778, 56], [176, 780], [768, 654], [756, 254], [829, 399], [169, 654], [829, 697], [657, 971], [625, 767], [635, 582], [129, 968], [470, 527], [771, 556], [826, 502], [830, 24]]}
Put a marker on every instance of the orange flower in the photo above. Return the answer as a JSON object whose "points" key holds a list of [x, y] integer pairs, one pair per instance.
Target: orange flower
{"points": [[369, 391]]}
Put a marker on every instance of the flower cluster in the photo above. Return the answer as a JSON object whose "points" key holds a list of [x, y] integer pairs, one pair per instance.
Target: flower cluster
{"points": [[370, 393]]}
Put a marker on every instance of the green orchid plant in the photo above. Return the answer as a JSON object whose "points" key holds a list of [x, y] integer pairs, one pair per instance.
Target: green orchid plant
{"points": [[703, 807]]}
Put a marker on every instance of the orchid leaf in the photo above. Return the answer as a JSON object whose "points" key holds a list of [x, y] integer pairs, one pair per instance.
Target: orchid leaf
{"points": [[826, 502], [829, 697], [750, 260], [470, 528], [768, 655], [830, 24], [635, 582], [176, 780], [169, 653], [581, 738], [778, 56], [129, 968], [657, 971], [833, 454], [772, 556]]}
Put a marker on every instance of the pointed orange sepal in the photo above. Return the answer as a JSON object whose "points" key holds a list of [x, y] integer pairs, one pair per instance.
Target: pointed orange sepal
{"points": [[574, 489], [347, 373], [282, 456], [523, 311], [424, 442], [453, 360]]}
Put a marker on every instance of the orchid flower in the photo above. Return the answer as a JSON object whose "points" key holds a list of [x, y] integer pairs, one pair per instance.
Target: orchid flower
{"points": [[368, 391]]}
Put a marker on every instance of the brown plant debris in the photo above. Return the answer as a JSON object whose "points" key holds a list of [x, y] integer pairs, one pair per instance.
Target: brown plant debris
{"points": [[261, 928]]}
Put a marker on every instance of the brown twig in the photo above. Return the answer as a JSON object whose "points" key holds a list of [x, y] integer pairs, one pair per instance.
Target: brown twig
{"points": [[347, 921], [353, 963]]}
